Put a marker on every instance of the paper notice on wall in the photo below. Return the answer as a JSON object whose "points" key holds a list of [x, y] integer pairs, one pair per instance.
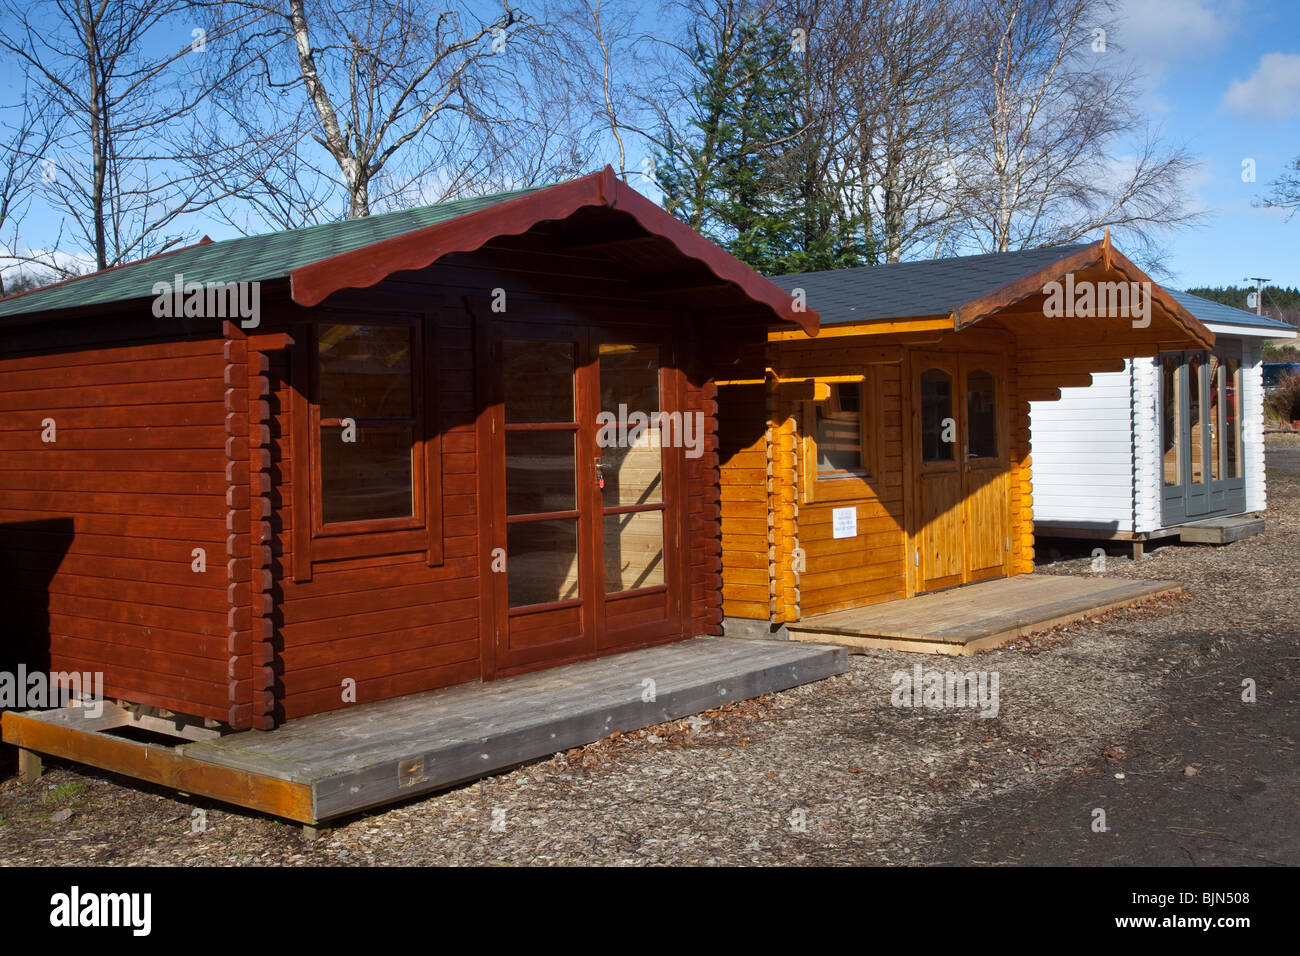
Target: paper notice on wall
{"points": [[844, 523]]}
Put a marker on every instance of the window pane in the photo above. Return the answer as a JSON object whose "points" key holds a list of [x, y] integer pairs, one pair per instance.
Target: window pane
{"points": [[839, 429], [365, 371], [1232, 423], [1195, 419], [368, 478], [938, 429], [542, 561], [1172, 419], [982, 414], [537, 378], [1214, 422], [634, 551], [634, 473], [539, 472], [629, 376]]}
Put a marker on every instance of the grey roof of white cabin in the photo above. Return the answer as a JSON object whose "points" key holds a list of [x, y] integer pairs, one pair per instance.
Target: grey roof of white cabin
{"points": [[1209, 311]]}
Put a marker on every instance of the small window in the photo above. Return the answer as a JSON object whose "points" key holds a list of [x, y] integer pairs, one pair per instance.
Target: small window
{"points": [[839, 431], [938, 427], [982, 414], [368, 422]]}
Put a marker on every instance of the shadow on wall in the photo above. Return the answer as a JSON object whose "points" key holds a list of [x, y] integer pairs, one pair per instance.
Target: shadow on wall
{"points": [[30, 554]]}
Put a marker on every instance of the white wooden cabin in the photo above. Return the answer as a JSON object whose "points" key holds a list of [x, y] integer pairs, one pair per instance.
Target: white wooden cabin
{"points": [[1158, 449]]}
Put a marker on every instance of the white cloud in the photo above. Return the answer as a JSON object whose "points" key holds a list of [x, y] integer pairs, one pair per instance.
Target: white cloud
{"points": [[1271, 92], [1155, 34]]}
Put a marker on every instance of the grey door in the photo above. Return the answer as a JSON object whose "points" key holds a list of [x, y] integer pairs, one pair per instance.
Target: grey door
{"points": [[1202, 464]]}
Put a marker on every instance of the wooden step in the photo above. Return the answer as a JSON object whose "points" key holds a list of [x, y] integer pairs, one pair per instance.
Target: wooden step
{"points": [[1220, 530]]}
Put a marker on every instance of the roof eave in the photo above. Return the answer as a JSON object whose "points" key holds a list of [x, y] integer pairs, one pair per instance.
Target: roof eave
{"points": [[360, 268]]}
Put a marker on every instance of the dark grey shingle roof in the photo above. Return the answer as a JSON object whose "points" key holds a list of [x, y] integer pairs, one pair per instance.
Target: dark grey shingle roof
{"points": [[910, 289]]}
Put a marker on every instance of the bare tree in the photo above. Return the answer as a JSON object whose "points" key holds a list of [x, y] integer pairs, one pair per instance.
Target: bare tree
{"points": [[393, 102], [903, 92], [22, 146], [115, 111], [595, 46], [1042, 162], [1285, 191]]}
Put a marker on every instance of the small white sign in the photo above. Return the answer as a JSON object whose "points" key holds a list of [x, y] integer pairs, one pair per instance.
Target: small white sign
{"points": [[844, 523]]}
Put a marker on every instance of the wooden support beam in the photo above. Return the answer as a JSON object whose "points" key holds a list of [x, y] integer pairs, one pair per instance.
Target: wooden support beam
{"points": [[166, 766], [29, 765]]}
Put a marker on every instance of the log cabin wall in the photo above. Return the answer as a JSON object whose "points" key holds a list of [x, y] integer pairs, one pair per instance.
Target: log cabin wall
{"points": [[394, 622], [781, 561], [100, 527], [174, 435]]}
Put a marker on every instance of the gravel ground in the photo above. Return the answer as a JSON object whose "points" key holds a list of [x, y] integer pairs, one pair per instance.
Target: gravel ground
{"points": [[1138, 713]]}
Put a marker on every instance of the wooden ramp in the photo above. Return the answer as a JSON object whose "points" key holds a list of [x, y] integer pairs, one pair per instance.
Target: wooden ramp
{"points": [[964, 620], [317, 768]]}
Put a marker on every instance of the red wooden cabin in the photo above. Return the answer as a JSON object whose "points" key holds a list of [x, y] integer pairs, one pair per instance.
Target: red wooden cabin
{"points": [[182, 510]]}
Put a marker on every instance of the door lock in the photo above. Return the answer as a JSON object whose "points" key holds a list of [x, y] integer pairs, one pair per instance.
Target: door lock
{"points": [[600, 475]]}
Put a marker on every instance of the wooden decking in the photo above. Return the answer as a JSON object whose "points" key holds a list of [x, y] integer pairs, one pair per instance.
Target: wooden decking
{"points": [[964, 620], [326, 766]]}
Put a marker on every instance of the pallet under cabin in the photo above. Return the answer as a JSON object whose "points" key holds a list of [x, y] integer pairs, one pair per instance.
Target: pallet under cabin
{"points": [[892, 456], [1174, 444], [392, 478]]}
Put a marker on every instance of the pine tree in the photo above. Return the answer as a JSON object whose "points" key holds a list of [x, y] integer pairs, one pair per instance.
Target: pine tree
{"points": [[753, 179]]}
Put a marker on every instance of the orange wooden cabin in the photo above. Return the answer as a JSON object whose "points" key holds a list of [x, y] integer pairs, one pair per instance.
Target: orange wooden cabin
{"points": [[389, 478], [889, 456]]}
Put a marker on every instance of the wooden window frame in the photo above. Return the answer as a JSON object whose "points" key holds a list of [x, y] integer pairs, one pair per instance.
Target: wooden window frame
{"points": [[847, 485], [314, 540]]}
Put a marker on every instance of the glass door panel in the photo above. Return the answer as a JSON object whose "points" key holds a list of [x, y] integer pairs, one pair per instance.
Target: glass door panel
{"points": [[1214, 418], [630, 470], [1231, 420], [541, 457], [1196, 418], [1171, 419]]}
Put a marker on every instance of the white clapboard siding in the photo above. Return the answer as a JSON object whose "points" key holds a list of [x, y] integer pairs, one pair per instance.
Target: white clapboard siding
{"points": [[1146, 444], [1252, 418], [1082, 454]]}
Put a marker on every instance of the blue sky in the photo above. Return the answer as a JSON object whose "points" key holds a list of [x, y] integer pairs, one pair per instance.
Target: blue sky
{"points": [[1223, 79]]}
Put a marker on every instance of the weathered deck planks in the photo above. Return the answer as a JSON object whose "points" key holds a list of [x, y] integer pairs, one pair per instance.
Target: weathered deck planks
{"points": [[335, 763], [963, 620]]}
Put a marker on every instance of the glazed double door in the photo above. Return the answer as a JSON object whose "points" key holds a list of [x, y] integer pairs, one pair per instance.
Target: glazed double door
{"points": [[1203, 465], [585, 510], [961, 517]]}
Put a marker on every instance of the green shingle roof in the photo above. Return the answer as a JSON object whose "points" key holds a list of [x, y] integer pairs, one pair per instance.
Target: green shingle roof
{"points": [[247, 259]]}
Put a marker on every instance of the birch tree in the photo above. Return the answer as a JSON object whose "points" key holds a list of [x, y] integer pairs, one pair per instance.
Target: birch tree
{"points": [[407, 101], [1056, 149]]}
